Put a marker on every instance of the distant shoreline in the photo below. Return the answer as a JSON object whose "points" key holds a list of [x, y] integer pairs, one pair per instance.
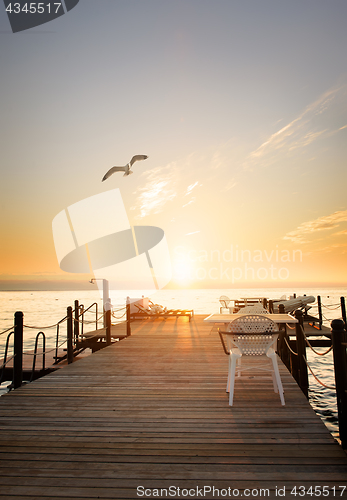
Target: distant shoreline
{"points": [[59, 287]]}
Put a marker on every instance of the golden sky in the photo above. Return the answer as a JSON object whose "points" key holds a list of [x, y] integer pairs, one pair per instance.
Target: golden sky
{"points": [[240, 106]]}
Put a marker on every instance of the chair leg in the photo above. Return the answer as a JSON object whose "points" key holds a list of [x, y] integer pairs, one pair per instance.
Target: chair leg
{"points": [[232, 377], [274, 381], [229, 368], [278, 377]]}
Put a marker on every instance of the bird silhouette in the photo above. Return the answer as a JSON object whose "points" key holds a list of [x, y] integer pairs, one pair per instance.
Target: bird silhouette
{"points": [[126, 168]]}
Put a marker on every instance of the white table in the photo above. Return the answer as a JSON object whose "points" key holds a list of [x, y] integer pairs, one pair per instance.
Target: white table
{"points": [[228, 318]]}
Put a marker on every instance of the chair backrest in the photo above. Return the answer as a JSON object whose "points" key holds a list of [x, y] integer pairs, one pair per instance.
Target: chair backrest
{"points": [[135, 304], [224, 301], [253, 334]]}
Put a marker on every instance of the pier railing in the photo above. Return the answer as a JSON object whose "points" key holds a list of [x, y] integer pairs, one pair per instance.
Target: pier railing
{"points": [[338, 333], [322, 310], [292, 346], [75, 323]]}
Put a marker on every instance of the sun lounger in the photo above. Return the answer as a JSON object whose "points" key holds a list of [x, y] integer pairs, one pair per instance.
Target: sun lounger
{"points": [[155, 311]]}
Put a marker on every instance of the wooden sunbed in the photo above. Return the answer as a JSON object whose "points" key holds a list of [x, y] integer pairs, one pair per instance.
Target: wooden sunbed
{"points": [[143, 313]]}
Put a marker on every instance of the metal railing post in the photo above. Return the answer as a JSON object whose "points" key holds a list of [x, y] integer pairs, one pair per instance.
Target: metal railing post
{"points": [[81, 314], [108, 325], [338, 335], [76, 324], [18, 350], [301, 350], [343, 309], [320, 315], [283, 350], [128, 317], [36, 354], [69, 332]]}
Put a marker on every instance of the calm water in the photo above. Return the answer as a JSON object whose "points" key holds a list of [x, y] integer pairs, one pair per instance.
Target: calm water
{"points": [[45, 308]]}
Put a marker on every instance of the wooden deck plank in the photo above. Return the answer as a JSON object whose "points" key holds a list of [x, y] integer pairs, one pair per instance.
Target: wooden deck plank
{"points": [[152, 410]]}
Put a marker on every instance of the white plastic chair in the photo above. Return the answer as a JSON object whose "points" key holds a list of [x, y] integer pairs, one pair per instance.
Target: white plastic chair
{"points": [[253, 335], [224, 302]]}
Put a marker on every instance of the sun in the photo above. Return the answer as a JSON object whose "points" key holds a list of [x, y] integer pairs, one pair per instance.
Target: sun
{"points": [[183, 271]]}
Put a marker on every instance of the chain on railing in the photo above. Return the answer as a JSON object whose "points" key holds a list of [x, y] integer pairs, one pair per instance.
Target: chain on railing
{"points": [[96, 335], [46, 327], [87, 322], [120, 309], [117, 310], [5, 363], [329, 320], [290, 349], [317, 379], [316, 352], [8, 329], [307, 364], [102, 316], [43, 352]]}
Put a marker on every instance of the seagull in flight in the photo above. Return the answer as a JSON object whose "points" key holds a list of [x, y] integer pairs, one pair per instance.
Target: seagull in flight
{"points": [[125, 169]]}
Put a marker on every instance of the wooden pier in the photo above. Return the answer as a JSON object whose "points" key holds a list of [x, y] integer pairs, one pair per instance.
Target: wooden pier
{"points": [[151, 412], [54, 359]]}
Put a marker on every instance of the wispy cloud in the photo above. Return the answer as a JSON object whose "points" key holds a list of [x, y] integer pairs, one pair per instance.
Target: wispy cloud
{"points": [[321, 224], [229, 185], [159, 188], [188, 193], [221, 167], [189, 202], [217, 160], [312, 123], [342, 247], [341, 233], [306, 139], [161, 185], [191, 187]]}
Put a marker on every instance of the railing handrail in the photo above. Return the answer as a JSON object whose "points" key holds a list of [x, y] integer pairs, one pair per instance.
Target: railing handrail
{"points": [[5, 356], [35, 354]]}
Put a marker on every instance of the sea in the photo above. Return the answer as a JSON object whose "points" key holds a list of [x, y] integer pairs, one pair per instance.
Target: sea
{"points": [[44, 309]]}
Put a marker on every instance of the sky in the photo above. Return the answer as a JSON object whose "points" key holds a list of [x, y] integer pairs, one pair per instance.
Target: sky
{"points": [[240, 106]]}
